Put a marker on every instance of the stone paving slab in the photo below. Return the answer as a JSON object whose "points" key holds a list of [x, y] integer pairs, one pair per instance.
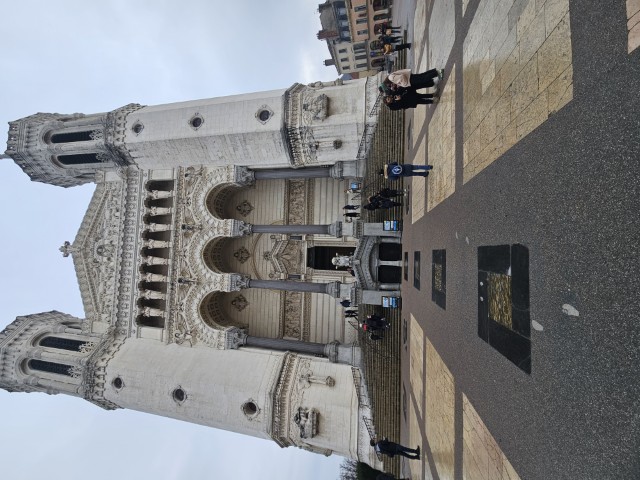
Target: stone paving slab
{"points": [[535, 143]]}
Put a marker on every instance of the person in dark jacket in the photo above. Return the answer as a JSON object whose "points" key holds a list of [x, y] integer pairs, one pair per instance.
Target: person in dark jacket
{"points": [[409, 99], [392, 449], [389, 193], [393, 171]]}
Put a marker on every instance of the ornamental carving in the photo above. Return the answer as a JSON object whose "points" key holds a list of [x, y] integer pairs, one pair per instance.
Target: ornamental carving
{"points": [[292, 314], [244, 208], [295, 202], [240, 303], [242, 254], [314, 107], [307, 421]]}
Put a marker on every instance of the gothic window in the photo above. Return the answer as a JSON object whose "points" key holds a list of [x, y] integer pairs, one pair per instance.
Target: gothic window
{"points": [[196, 121], [50, 367], [62, 343], [70, 137], [78, 159]]}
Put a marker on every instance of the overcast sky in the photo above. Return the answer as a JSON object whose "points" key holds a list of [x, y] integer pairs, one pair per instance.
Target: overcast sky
{"points": [[94, 56]]}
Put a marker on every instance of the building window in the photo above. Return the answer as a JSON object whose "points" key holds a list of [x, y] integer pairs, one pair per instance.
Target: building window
{"points": [[117, 383], [363, 32], [342, 11], [342, 50], [263, 114], [196, 121], [346, 68], [250, 409], [70, 137], [137, 128], [344, 60], [361, 57], [50, 367], [360, 8], [78, 158], [359, 46], [361, 65], [179, 395], [361, 20], [62, 343]]}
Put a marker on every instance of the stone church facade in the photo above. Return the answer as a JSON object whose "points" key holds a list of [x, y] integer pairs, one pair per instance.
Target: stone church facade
{"points": [[204, 263]]}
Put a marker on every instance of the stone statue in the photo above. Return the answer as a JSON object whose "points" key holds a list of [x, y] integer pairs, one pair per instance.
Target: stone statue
{"points": [[341, 261]]}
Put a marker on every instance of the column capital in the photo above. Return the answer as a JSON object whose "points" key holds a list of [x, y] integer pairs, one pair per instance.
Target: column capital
{"points": [[335, 229], [240, 228], [243, 176]]}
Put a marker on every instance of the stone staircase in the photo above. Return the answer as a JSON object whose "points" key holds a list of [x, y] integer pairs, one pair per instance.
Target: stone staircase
{"points": [[382, 357]]}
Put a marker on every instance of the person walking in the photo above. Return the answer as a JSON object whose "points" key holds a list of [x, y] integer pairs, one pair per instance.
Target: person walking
{"points": [[408, 99], [376, 322], [388, 48], [393, 171], [389, 193], [404, 78], [392, 449]]}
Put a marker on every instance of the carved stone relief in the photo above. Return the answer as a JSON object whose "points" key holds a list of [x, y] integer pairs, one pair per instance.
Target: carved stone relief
{"points": [[240, 303], [242, 254], [245, 208], [292, 314]]}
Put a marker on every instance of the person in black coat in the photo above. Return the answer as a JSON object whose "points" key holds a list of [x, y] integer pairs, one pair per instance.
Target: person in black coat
{"points": [[392, 449], [409, 99]]}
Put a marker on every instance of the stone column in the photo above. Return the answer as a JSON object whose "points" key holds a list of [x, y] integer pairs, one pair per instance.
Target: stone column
{"points": [[335, 171], [334, 229], [156, 211], [155, 261], [334, 351], [159, 227], [332, 288]]}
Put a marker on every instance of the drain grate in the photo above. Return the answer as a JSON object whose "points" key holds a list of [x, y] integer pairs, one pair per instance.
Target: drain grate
{"points": [[504, 320], [439, 278]]}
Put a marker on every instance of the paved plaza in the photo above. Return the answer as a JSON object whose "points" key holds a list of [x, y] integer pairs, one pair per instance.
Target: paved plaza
{"points": [[521, 310]]}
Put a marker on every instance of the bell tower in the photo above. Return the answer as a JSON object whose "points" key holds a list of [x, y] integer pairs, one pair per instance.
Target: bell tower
{"points": [[68, 150], [44, 352]]}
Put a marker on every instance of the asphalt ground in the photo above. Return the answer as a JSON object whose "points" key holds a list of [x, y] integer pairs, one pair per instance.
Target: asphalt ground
{"points": [[569, 193]]}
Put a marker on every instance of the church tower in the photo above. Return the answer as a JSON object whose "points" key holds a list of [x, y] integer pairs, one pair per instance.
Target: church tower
{"points": [[204, 263]]}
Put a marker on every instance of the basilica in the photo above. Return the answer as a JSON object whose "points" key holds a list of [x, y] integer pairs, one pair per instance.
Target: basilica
{"points": [[214, 263]]}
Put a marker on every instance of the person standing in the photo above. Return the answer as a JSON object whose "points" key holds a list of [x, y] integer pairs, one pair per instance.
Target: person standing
{"points": [[389, 193], [388, 49], [408, 99], [393, 171], [404, 78], [392, 449]]}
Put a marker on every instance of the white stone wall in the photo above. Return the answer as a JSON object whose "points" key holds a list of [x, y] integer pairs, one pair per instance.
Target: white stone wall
{"points": [[216, 382], [229, 135]]}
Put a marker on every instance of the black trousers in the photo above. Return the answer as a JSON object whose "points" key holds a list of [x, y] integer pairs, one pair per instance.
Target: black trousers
{"points": [[424, 79]]}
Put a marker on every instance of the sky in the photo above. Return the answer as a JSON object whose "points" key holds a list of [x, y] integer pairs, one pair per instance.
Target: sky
{"points": [[67, 56]]}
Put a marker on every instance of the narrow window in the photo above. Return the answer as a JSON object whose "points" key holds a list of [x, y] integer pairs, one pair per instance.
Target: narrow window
{"points": [[78, 159], [62, 343], [70, 137], [50, 367]]}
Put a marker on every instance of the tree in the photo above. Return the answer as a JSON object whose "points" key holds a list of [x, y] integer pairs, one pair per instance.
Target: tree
{"points": [[348, 469]]}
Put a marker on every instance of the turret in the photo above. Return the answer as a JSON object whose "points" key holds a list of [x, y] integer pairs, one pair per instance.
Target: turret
{"points": [[44, 352]]}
